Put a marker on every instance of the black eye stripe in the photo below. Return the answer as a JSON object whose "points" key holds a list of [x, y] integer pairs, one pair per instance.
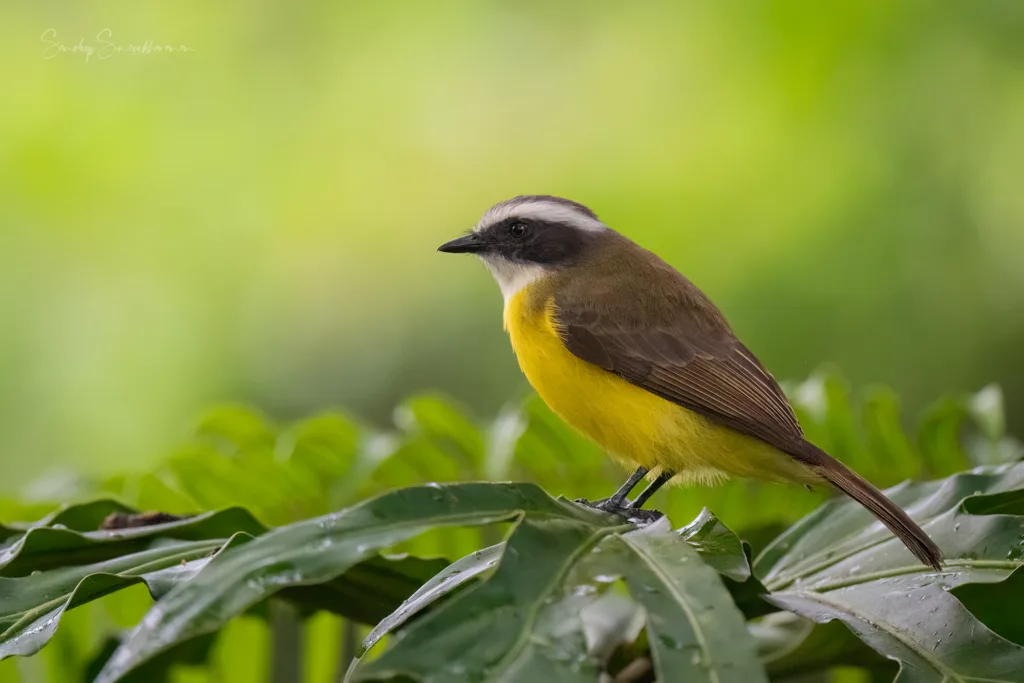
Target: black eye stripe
{"points": [[530, 240]]}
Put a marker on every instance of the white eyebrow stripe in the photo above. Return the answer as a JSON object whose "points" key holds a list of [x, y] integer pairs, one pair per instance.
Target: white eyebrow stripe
{"points": [[542, 211]]}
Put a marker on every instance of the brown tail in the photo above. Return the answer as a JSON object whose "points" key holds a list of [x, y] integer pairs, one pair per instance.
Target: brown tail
{"points": [[888, 512]]}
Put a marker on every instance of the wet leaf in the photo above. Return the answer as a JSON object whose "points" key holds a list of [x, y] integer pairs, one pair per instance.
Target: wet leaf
{"points": [[838, 563], [31, 606], [695, 630], [520, 624], [717, 545], [319, 550], [452, 577], [791, 646], [537, 616], [44, 547]]}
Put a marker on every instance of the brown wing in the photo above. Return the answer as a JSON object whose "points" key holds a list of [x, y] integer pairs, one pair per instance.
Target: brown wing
{"points": [[671, 340], [661, 333]]}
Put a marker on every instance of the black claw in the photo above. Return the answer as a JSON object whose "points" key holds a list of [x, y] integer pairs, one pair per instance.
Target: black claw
{"points": [[642, 517], [602, 504], [633, 515], [606, 504]]}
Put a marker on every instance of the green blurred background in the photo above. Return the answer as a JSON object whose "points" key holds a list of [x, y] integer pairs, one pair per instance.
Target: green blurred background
{"points": [[255, 221]]}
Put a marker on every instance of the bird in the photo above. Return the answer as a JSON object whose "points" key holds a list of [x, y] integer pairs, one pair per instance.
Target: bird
{"points": [[625, 349]]}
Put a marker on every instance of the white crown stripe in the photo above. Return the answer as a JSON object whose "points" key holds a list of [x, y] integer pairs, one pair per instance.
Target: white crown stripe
{"points": [[541, 210]]}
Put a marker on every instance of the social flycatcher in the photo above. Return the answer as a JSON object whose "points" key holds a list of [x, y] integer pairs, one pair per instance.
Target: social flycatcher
{"points": [[629, 352]]}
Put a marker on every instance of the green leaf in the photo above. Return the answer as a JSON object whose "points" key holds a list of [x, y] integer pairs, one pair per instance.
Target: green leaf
{"points": [[514, 626], [712, 540], [319, 550], [327, 444], [839, 563], [986, 408], [722, 550], [193, 653], [544, 613], [841, 431], [413, 461], [502, 439], [237, 458], [369, 591], [928, 631], [717, 545], [447, 426], [452, 577], [84, 516], [235, 430], [695, 631], [160, 491], [997, 605], [550, 452], [31, 606], [893, 456], [991, 445], [841, 536], [267, 487], [792, 646], [939, 436], [46, 547]]}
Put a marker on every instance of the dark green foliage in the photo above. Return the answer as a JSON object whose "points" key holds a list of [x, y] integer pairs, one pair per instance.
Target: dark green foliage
{"points": [[545, 589]]}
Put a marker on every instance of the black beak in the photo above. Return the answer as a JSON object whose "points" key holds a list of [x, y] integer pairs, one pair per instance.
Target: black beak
{"points": [[467, 244]]}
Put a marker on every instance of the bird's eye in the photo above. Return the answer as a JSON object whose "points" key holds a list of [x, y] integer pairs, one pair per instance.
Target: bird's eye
{"points": [[517, 229]]}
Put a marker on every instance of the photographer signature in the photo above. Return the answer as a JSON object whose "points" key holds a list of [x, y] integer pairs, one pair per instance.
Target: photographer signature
{"points": [[104, 46]]}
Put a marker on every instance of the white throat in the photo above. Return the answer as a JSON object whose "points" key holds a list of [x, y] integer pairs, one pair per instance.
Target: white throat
{"points": [[512, 277]]}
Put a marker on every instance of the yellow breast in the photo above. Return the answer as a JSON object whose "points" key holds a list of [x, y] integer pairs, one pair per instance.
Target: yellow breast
{"points": [[633, 425]]}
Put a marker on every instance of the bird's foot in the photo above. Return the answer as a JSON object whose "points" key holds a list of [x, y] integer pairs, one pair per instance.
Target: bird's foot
{"points": [[639, 517], [633, 515]]}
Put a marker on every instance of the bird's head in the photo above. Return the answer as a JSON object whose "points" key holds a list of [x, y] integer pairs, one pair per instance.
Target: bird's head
{"points": [[527, 237]]}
